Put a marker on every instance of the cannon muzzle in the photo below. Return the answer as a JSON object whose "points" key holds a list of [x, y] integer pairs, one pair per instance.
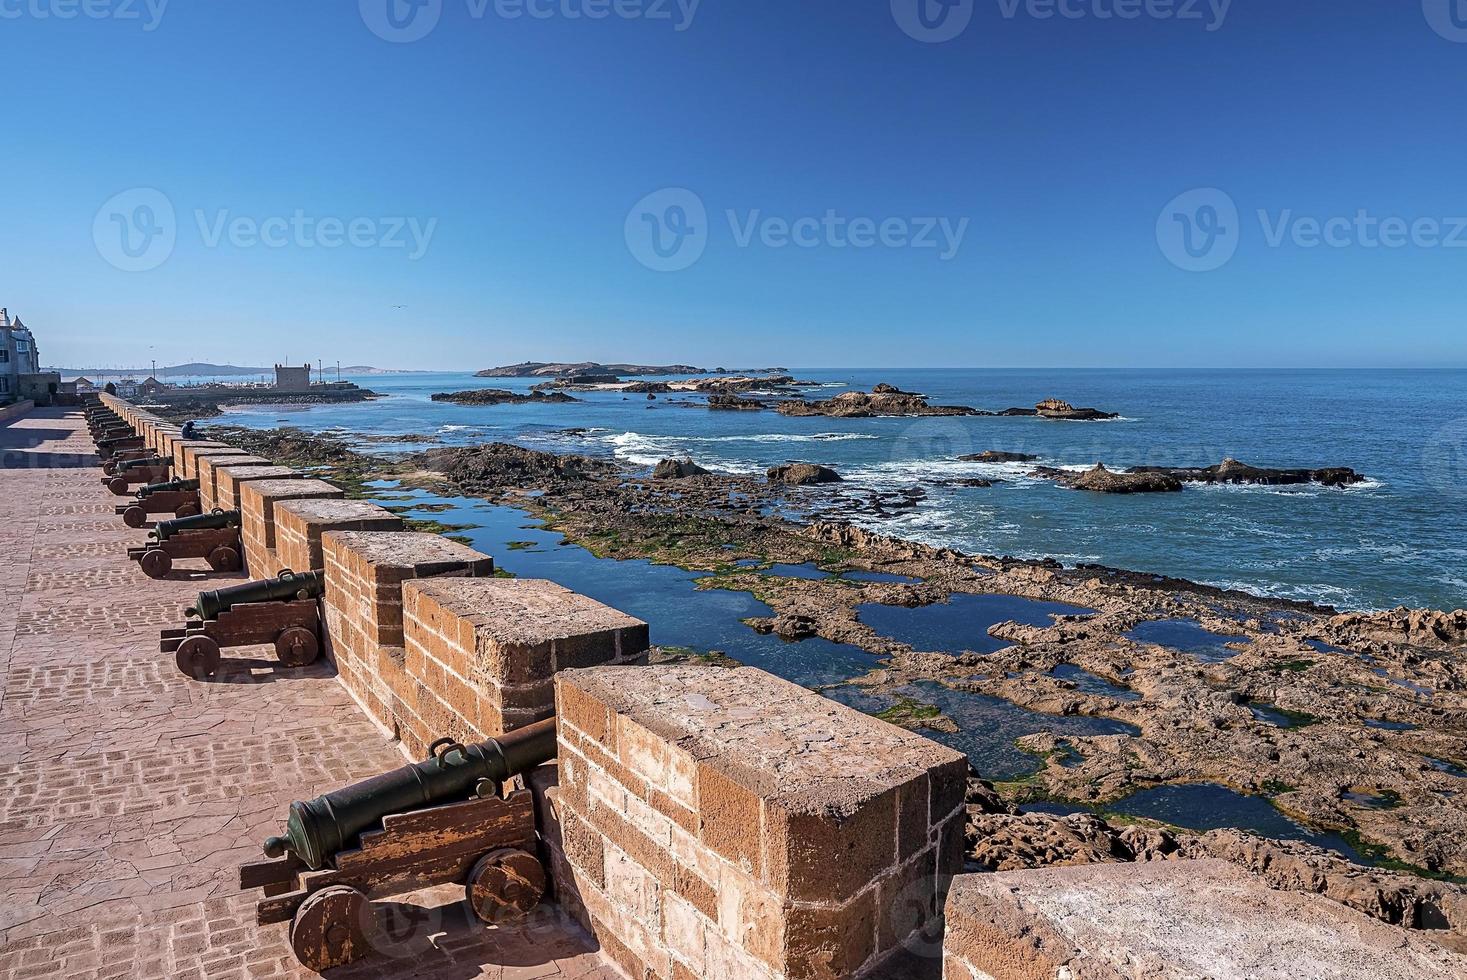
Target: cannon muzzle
{"points": [[199, 522], [286, 586], [317, 830], [170, 486]]}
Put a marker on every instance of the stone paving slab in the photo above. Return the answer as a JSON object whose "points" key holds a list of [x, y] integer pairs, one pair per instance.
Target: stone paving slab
{"points": [[129, 794]]}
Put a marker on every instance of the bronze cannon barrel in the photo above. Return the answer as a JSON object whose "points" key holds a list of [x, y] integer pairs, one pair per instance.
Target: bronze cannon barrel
{"points": [[319, 829], [199, 522], [169, 486], [115, 434], [136, 464], [284, 587]]}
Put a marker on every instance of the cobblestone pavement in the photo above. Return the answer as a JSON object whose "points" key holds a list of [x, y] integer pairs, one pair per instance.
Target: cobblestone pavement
{"points": [[129, 794]]}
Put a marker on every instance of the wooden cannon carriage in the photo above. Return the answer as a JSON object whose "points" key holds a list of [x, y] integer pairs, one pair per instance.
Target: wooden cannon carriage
{"points": [[178, 497], [140, 472], [213, 537], [283, 611], [402, 831]]}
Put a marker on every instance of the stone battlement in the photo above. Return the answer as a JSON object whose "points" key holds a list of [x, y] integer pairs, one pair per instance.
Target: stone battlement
{"points": [[724, 823]]}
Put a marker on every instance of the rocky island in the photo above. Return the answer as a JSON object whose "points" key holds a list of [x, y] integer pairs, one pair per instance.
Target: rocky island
{"points": [[883, 400], [1168, 479], [498, 396]]}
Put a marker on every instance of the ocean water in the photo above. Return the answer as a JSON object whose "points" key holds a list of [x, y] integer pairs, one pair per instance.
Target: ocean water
{"points": [[1400, 538]]}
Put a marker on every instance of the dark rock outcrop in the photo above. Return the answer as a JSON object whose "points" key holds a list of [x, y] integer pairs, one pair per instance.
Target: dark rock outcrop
{"points": [[998, 456], [499, 465], [1232, 471], [677, 469], [498, 396], [1055, 408], [802, 474], [733, 403], [883, 400], [1102, 480]]}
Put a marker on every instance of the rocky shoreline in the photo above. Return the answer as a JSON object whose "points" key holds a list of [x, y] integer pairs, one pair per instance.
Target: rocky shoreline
{"points": [[1351, 722]]}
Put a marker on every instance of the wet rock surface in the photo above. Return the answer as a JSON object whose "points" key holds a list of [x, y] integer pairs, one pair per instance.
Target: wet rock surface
{"points": [[802, 474], [1101, 480], [677, 469], [1232, 471]]}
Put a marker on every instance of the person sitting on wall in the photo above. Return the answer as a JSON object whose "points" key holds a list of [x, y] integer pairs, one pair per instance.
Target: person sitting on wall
{"points": [[188, 429]]}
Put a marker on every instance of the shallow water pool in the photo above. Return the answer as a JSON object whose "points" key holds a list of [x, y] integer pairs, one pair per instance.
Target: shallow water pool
{"points": [[962, 623]]}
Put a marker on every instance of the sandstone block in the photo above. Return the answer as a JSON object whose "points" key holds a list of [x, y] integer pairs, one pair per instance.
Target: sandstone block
{"points": [[1169, 921], [804, 819], [299, 524]]}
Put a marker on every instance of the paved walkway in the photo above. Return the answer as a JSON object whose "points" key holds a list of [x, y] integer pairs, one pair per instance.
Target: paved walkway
{"points": [[129, 794]]}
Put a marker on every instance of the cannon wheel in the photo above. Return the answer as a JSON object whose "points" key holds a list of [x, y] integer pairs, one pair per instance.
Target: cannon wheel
{"points": [[118, 486], [224, 559], [156, 563], [198, 657], [188, 510], [135, 516], [297, 647], [505, 884], [328, 928], [108, 467]]}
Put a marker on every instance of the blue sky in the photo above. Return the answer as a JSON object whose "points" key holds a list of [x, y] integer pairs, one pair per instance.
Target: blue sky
{"points": [[1026, 192]]}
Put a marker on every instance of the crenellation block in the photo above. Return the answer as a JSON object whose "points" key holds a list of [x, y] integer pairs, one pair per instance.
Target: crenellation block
{"points": [[777, 824]]}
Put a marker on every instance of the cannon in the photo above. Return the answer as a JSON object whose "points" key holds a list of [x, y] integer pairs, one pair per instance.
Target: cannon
{"points": [[106, 447], [446, 820], [213, 537], [282, 611], [138, 472], [177, 497], [109, 466]]}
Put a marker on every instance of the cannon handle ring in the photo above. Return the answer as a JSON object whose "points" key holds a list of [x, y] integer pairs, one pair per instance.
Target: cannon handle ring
{"points": [[446, 745]]}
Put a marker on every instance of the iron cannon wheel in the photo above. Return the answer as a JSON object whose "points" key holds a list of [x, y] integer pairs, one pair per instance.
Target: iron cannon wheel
{"points": [[297, 647], [118, 486], [156, 563], [109, 467], [198, 657], [224, 559], [505, 884], [328, 929], [135, 516], [188, 510]]}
